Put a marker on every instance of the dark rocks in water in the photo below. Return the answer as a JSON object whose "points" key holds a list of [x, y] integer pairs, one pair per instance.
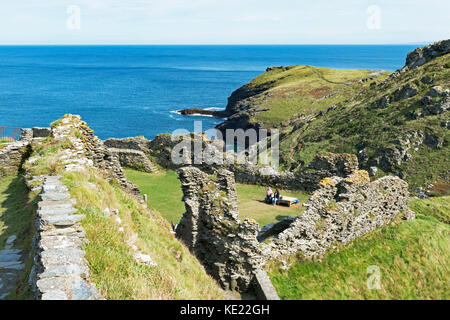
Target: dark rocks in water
{"points": [[203, 112]]}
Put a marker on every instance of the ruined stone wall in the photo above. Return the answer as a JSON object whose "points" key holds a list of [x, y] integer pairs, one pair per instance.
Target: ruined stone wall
{"points": [[234, 253], [11, 157], [60, 271], [133, 143], [307, 179], [13, 154], [134, 159], [342, 210], [211, 229], [101, 157]]}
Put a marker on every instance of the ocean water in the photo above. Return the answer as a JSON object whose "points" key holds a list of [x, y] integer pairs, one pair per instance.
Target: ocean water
{"points": [[123, 91]]}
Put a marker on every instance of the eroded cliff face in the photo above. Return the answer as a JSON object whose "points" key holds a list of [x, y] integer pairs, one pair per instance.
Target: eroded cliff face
{"points": [[420, 56], [371, 117]]}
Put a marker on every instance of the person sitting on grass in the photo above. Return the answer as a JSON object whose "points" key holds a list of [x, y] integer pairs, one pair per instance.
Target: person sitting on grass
{"points": [[276, 197], [269, 194]]}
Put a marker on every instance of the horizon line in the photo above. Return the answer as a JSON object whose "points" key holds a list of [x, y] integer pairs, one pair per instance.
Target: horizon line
{"points": [[215, 44]]}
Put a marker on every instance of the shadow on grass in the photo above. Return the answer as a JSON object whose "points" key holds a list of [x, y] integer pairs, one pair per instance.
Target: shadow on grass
{"points": [[281, 218], [17, 212]]}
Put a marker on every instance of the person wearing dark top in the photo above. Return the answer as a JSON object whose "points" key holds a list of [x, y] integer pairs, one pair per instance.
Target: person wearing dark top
{"points": [[276, 197]]}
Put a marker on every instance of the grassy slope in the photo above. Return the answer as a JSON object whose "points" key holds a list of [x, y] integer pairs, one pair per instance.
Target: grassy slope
{"points": [[292, 93], [165, 195], [438, 208], [295, 92], [413, 256], [16, 218], [355, 123], [178, 275]]}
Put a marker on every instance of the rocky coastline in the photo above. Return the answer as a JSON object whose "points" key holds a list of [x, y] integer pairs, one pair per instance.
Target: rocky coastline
{"points": [[203, 112]]}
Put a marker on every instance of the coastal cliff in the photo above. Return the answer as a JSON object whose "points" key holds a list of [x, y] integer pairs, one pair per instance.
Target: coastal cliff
{"points": [[396, 123]]}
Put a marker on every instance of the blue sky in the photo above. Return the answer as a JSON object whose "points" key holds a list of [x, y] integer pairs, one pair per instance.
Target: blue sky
{"points": [[225, 21]]}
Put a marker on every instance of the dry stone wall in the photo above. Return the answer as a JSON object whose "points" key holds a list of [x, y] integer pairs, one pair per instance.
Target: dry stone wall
{"points": [[342, 210], [134, 159], [211, 229], [95, 150], [234, 252], [12, 156], [308, 179], [60, 271], [161, 148]]}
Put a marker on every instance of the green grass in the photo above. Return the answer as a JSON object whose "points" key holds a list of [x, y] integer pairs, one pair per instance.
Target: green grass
{"points": [[178, 275], [163, 191], [438, 208], [251, 204], [355, 125], [413, 257], [164, 195], [295, 91], [16, 218], [15, 212], [6, 140]]}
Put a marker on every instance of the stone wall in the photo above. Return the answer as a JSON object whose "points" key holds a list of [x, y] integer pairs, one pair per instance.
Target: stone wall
{"points": [[13, 154], [134, 159], [234, 252], [95, 151], [211, 229], [307, 179], [161, 148], [60, 271], [133, 143], [342, 210]]}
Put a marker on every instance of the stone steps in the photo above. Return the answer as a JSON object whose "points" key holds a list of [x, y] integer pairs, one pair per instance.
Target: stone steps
{"points": [[11, 267], [61, 271]]}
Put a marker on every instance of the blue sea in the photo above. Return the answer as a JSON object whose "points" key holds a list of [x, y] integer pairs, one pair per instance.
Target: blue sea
{"points": [[123, 91]]}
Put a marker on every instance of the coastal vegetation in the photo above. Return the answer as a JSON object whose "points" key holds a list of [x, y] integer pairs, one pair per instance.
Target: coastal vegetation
{"points": [[413, 258], [395, 123]]}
